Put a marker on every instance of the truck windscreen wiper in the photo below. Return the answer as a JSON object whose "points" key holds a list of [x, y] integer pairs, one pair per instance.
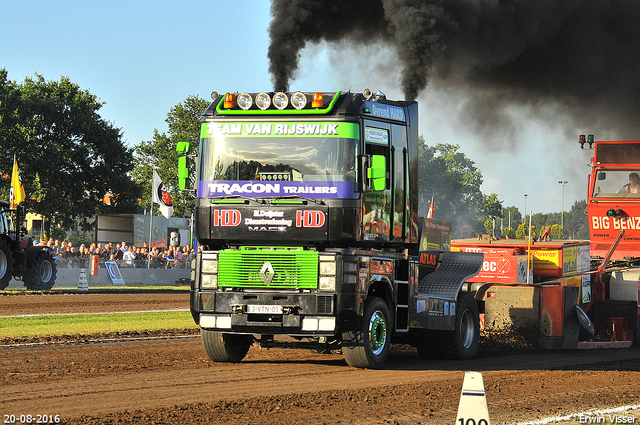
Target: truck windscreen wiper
{"points": [[295, 197], [231, 198]]}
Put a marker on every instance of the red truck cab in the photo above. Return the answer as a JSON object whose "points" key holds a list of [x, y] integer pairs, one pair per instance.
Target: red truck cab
{"points": [[614, 197]]}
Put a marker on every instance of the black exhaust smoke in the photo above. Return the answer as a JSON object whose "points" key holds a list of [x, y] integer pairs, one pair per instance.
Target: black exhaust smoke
{"points": [[296, 22], [584, 54]]}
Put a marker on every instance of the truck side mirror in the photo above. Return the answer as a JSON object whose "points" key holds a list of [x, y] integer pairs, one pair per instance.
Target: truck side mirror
{"points": [[377, 173], [183, 165]]}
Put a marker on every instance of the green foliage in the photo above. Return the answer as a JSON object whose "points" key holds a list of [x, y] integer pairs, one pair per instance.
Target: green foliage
{"points": [[556, 232], [523, 231], [454, 182], [58, 233], [576, 224], [491, 206], [508, 233], [511, 216], [184, 126], [68, 155], [78, 239], [489, 225]]}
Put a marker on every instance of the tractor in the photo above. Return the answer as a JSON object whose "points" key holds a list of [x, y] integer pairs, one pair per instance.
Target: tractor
{"points": [[19, 257]]}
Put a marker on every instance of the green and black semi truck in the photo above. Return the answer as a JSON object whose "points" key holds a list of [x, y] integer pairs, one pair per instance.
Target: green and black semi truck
{"points": [[307, 215]]}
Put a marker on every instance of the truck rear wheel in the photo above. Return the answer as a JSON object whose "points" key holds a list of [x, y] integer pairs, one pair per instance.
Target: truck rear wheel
{"points": [[6, 264], [42, 275], [462, 344], [371, 347], [222, 347]]}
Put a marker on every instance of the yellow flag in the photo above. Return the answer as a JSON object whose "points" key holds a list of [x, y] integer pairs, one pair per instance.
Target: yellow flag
{"points": [[16, 194]]}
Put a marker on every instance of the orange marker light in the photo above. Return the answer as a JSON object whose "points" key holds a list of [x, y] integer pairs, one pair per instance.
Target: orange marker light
{"points": [[229, 100], [318, 100]]}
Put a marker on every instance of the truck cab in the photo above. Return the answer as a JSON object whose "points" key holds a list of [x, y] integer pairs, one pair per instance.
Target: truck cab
{"points": [[614, 198], [307, 212]]}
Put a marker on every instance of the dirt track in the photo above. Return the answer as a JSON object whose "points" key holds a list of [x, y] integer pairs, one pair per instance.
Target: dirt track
{"points": [[169, 380]]}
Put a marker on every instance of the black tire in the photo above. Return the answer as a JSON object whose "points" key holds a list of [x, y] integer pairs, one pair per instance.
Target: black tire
{"points": [[43, 272], [462, 344], [222, 347], [429, 348], [371, 347], [6, 264]]}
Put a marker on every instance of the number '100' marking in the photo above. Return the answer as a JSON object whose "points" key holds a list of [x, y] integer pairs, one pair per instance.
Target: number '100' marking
{"points": [[472, 421]]}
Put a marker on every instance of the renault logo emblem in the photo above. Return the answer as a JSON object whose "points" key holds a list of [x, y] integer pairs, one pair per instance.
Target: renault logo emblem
{"points": [[266, 273]]}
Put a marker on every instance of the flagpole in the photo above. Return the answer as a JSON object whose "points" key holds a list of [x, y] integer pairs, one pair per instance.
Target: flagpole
{"points": [[150, 223], [150, 234]]}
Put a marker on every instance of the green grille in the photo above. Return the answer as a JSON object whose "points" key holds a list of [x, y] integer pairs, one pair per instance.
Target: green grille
{"points": [[248, 267]]}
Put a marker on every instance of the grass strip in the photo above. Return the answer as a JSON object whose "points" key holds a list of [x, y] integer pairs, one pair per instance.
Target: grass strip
{"points": [[138, 287], [69, 324]]}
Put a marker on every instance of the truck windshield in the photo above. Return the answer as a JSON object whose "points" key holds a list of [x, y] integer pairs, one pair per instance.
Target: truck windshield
{"points": [[297, 159], [278, 159], [617, 184]]}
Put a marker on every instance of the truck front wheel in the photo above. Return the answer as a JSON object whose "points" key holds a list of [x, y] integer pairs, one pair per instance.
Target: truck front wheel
{"points": [[371, 345], [462, 344], [6, 264], [222, 347]]}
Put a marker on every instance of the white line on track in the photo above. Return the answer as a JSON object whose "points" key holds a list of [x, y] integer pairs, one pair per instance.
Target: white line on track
{"points": [[576, 416], [104, 312]]}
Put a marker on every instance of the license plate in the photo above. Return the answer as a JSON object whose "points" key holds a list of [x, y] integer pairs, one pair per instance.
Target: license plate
{"points": [[264, 309]]}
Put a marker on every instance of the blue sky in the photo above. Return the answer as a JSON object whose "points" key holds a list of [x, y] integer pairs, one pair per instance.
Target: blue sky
{"points": [[141, 58]]}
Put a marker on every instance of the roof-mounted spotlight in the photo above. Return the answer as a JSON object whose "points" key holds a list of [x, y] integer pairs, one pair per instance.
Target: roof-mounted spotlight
{"points": [[245, 101], [298, 100], [280, 100], [263, 101]]}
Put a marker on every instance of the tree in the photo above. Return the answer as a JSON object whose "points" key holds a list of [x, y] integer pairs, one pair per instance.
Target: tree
{"points": [[556, 232], [511, 217], [491, 209], [489, 226], [10, 130], [184, 126], [508, 233], [576, 224], [70, 158], [454, 182], [523, 231]]}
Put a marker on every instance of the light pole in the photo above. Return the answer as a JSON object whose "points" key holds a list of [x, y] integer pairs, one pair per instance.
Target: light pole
{"points": [[525, 207], [562, 182]]}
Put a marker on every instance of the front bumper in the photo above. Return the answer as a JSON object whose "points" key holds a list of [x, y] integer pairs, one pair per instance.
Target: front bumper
{"points": [[302, 313]]}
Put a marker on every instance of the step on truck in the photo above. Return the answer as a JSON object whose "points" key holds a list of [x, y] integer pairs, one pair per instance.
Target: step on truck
{"points": [[307, 213]]}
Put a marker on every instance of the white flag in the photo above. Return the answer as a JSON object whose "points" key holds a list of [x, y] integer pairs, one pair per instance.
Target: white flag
{"points": [[431, 209], [161, 196]]}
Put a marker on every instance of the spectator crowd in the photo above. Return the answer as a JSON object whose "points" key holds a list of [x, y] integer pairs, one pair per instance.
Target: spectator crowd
{"points": [[67, 255]]}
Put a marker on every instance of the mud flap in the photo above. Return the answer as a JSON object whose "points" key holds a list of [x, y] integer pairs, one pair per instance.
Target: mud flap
{"points": [[559, 325], [434, 306]]}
